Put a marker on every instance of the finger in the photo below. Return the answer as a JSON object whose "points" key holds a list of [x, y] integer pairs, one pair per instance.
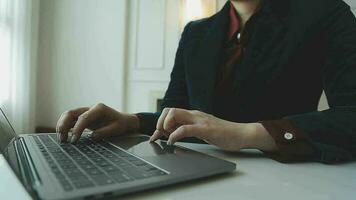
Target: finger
{"points": [[57, 128], [177, 117], [67, 121], [105, 132], [58, 123], [159, 125], [86, 119], [156, 135], [64, 123], [185, 131]]}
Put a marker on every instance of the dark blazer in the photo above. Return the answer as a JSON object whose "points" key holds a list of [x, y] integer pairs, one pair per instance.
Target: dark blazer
{"points": [[298, 49]]}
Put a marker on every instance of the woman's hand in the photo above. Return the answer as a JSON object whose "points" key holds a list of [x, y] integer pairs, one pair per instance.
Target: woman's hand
{"points": [[103, 120], [177, 123]]}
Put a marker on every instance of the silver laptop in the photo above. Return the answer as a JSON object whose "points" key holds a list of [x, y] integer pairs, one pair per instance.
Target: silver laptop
{"points": [[90, 170]]}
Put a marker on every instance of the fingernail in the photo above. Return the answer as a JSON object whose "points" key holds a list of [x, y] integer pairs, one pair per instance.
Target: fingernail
{"points": [[152, 138], [74, 138]]}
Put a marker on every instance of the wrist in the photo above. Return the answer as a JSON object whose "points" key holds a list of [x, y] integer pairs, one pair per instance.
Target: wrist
{"points": [[257, 137], [250, 135], [133, 123]]}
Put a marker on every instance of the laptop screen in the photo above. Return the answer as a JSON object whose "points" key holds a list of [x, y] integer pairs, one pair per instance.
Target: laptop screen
{"points": [[7, 133]]}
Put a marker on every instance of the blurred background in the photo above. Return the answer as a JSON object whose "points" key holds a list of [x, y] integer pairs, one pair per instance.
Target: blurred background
{"points": [[61, 54]]}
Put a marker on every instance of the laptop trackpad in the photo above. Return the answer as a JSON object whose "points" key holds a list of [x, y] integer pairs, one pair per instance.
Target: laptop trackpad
{"points": [[171, 158], [140, 146]]}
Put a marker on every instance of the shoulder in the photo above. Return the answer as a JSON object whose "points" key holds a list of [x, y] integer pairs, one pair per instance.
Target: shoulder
{"points": [[310, 13], [202, 23], [317, 8], [198, 27], [195, 30]]}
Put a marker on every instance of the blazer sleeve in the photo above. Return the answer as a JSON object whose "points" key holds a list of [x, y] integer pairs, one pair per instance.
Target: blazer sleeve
{"points": [[176, 95], [331, 133]]}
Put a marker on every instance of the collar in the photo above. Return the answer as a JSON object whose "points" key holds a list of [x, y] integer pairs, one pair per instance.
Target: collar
{"points": [[235, 21], [234, 24]]}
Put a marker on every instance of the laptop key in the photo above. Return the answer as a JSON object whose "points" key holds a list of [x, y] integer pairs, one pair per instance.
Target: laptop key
{"points": [[137, 174], [124, 164], [104, 164], [119, 177], [89, 166], [63, 182], [59, 174], [82, 179], [56, 170], [92, 172], [66, 162], [78, 158], [83, 162], [92, 156], [138, 162], [81, 185], [73, 172], [153, 173], [117, 160], [52, 165], [62, 179], [148, 167], [110, 169], [102, 180], [98, 160]]}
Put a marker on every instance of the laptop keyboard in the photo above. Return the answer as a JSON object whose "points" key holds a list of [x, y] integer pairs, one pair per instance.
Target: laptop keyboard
{"points": [[88, 164]]}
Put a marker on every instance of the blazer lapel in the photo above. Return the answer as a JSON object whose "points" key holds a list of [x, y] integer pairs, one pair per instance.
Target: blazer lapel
{"points": [[207, 59], [269, 30]]}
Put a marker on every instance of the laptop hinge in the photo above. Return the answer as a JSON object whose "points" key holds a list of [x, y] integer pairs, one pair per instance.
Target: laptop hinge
{"points": [[28, 171]]}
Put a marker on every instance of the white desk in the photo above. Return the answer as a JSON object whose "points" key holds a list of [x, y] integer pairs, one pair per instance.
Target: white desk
{"points": [[256, 177], [10, 187]]}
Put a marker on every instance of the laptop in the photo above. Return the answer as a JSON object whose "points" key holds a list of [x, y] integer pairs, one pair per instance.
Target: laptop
{"points": [[108, 168]]}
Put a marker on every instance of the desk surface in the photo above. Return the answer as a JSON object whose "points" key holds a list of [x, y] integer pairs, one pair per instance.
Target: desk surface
{"points": [[256, 177]]}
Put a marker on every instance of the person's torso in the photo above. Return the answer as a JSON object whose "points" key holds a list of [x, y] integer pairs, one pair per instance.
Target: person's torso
{"points": [[279, 74]]}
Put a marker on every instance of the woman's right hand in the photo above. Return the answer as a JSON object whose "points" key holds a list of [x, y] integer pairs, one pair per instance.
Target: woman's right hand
{"points": [[101, 119]]}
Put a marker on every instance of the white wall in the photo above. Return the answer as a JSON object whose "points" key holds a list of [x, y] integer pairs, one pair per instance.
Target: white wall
{"points": [[81, 55], [154, 30], [154, 35]]}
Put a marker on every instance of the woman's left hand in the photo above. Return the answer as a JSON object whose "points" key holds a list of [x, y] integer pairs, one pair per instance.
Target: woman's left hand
{"points": [[176, 123]]}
